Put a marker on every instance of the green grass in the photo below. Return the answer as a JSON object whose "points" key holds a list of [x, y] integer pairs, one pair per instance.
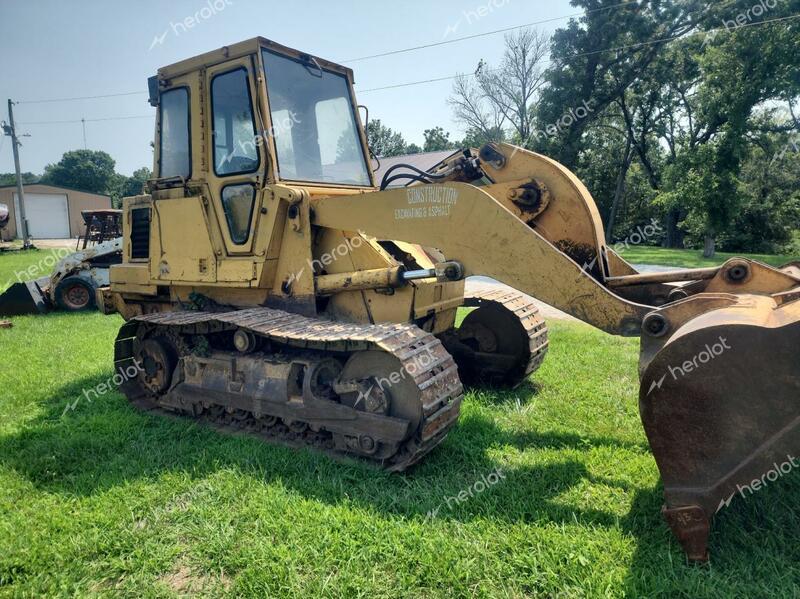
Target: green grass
{"points": [[106, 500], [24, 266], [639, 254]]}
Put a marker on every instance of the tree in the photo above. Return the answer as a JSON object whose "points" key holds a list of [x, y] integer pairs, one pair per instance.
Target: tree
{"points": [[470, 107], [87, 170], [598, 57], [11, 179], [744, 70], [124, 187], [134, 185], [768, 217], [383, 141], [475, 138], [115, 189], [437, 139], [600, 167], [683, 108], [504, 96]]}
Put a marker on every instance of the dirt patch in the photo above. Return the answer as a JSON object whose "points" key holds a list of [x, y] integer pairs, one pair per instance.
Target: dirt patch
{"points": [[47, 244], [183, 581]]}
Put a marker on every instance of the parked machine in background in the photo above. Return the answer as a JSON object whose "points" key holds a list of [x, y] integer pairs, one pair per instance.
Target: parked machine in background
{"points": [[73, 283], [271, 285], [3, 216], [71, 286], [99, 226]]}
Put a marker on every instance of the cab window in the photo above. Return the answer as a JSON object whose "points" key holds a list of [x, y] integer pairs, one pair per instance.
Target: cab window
{"points": [[238, 201], [174, 159], [313, 123], [234, 129]]}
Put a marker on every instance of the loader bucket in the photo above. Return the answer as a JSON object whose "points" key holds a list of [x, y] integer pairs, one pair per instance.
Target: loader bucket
{"points": [[720, 403], [25, 298]]}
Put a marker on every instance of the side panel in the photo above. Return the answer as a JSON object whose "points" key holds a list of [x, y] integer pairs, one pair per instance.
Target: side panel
{"points": [[181, 251]]}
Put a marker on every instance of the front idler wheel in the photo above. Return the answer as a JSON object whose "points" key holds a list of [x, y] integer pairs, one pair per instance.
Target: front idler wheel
{"points": [[492, 347], [158, 360], [383, 387]]}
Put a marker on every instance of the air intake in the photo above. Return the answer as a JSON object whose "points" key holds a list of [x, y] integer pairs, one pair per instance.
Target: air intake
{"points": [[140, 233]]}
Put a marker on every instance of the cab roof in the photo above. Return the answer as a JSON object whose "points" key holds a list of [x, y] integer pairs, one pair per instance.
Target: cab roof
{"points": [[237, 50]]}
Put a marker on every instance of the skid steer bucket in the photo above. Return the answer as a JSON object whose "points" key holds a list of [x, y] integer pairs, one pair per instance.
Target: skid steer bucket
{"points": [[25, 298], [720, 403]]}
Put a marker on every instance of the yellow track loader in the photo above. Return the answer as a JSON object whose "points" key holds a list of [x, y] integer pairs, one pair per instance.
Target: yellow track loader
{"points": [[270, 284]]}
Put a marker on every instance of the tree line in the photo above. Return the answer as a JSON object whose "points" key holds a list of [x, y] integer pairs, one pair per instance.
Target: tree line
{"points": [[677, 110], [87, 170]]}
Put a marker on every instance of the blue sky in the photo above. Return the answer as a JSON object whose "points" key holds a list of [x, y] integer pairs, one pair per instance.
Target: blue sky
{"points": [[63, 49]]}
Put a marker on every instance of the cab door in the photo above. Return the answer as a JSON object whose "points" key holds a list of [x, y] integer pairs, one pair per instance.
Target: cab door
{"points": [[180, 246], [237, 159]]}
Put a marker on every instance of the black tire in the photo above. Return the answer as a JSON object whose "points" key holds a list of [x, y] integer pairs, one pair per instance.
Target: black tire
{"points": [[75, 294]]}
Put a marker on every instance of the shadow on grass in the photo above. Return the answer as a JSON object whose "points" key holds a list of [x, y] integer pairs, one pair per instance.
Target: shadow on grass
{"points": [[106, 443], [84, 444], [753, 547]]}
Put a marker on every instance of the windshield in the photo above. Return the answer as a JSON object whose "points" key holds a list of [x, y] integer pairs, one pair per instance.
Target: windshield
{"points": [[313, 123]]}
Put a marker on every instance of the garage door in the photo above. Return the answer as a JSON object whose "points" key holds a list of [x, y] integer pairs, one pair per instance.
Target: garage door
{"points": [[47, 214]]}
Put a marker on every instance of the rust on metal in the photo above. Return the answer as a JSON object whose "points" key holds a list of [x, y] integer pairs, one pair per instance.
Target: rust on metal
{"points": [[717, 418], [692, 274], [423, 379], [502, 341], [713, 421]]}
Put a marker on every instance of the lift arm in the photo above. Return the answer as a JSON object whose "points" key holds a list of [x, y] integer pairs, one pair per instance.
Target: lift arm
{"points": [[468, 225]]}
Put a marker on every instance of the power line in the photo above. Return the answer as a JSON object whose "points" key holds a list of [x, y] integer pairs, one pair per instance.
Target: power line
{"points": [[675, 37], [139, 93], [433, 80], [389, 53], [496, 31], [375, 89], [110, 118], [593, 52]]}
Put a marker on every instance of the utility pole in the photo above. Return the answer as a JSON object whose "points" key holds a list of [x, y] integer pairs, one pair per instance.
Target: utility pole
{"points": [[10, 130], [83, 122]]}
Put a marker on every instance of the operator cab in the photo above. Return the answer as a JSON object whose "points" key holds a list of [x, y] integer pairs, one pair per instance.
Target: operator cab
{"points": [[272, 114], [234, 121]]}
